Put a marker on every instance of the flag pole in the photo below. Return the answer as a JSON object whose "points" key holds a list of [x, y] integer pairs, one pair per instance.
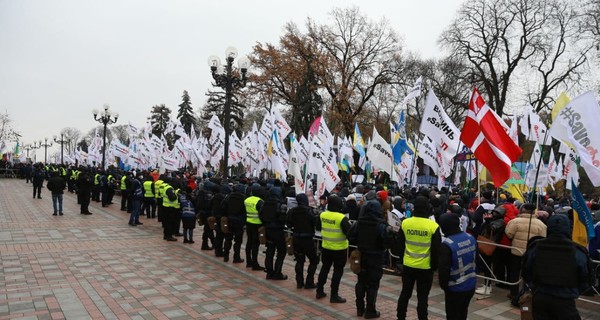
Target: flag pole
{"points": [[537, 171], [414, 164]]}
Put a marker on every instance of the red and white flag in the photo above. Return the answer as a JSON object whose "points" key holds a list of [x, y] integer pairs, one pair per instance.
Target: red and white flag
{"points": [[488, 139]]}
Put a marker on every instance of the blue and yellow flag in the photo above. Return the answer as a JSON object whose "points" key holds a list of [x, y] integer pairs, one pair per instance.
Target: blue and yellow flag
{"points": [[359, 143], [399, 143], [583, 225]]}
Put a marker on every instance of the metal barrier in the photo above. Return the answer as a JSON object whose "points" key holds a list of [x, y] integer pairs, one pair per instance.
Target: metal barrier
{"points": [[318, 239]]}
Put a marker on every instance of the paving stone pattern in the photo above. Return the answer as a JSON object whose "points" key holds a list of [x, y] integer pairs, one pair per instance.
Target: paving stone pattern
{"points": [[97, 267]]}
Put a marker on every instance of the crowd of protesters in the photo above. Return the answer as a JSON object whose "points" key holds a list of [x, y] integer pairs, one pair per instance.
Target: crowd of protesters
{"points": [[436, 230]]}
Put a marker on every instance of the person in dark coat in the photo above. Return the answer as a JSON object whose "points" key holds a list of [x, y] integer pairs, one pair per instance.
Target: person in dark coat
{"points": [[57, 185], [274, 219], [557, 270], [39, 175], [372, 235], [85, 185], [220, 192], [456, 267], [235, 211], [302, 220]]}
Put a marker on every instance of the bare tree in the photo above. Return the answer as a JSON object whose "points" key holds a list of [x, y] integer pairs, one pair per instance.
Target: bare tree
{"points": [[357, 58], [120, 133], [502, 38], [72, 136]]}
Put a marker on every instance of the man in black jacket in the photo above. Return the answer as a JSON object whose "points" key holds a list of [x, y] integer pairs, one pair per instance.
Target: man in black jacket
{"points": [[372, 235], [85, 184], [235, 211], [39, 175], [302, 221], [274, 221], [557, 270], [57, 185]]}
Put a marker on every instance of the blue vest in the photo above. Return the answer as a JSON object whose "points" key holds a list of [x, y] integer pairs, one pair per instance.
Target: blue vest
{"points": [[462, 271], [187, 208]]}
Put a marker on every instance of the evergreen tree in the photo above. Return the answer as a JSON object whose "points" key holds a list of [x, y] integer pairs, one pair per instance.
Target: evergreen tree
{"points": [[185, 114], [307, 104], [159, 118], [216, 104]]}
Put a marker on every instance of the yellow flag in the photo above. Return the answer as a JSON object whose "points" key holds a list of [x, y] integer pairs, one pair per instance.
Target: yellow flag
{"points": [[560, 103], [579, 231]]}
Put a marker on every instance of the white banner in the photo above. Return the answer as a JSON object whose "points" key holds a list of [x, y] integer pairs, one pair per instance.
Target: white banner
{"points": [[380, 153], [577, 124]]}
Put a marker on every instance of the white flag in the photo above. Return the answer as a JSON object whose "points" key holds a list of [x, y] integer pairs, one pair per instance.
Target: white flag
{"points": [[577, 124], [414, 92], [380, 153], [537, 131], [294, 170], [428, 152], [439, 127]]}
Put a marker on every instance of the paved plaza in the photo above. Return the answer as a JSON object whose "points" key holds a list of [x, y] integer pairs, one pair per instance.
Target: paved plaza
{"points": [[98, 267]]}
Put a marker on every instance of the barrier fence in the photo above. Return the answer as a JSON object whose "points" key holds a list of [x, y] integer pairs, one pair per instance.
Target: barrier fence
{"points": [[493, 278]]}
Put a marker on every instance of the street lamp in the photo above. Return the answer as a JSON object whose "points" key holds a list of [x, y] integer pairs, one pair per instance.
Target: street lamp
{"points": [[226, 78], [105, 118], [62, 142], [31, 147], [45, 145]]}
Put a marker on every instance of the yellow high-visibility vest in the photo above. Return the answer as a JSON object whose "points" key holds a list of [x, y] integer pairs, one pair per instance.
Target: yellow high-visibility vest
{"points": [[123, 185], [418, 233], [251, 211], [167, 203], [331, 231], [148, 189]]}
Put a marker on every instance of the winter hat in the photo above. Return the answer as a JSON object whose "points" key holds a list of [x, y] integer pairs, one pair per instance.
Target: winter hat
{"points": [[373, 209], [302, 199], [382, 195], [371, 195], [421, 207], [501, 210], [559, 224], [449, 223], [334, 203]]}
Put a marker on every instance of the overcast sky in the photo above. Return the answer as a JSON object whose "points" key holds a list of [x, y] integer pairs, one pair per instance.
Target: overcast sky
{"points": [[59, 59]]}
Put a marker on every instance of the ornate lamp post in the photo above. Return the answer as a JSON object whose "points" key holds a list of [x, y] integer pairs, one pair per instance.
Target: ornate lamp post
{"points": [[105, 118], [33, 146], [45, 145], [62, 142], [227, 78]]}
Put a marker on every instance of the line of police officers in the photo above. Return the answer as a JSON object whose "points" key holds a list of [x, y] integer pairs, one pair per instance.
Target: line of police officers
{"points": [[224, 210]]}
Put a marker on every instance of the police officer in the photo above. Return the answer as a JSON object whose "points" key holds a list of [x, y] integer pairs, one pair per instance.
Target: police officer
{"points": [[420, 240], [302, 221], [149, 204], [170, 207], [334, 228], [456, 268], [273, 219], [96, 190], [220, 192], [125, 187], [235, 211], [253, 204], [557, 270], [203, 206], [371, 234], [85, 184]]}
